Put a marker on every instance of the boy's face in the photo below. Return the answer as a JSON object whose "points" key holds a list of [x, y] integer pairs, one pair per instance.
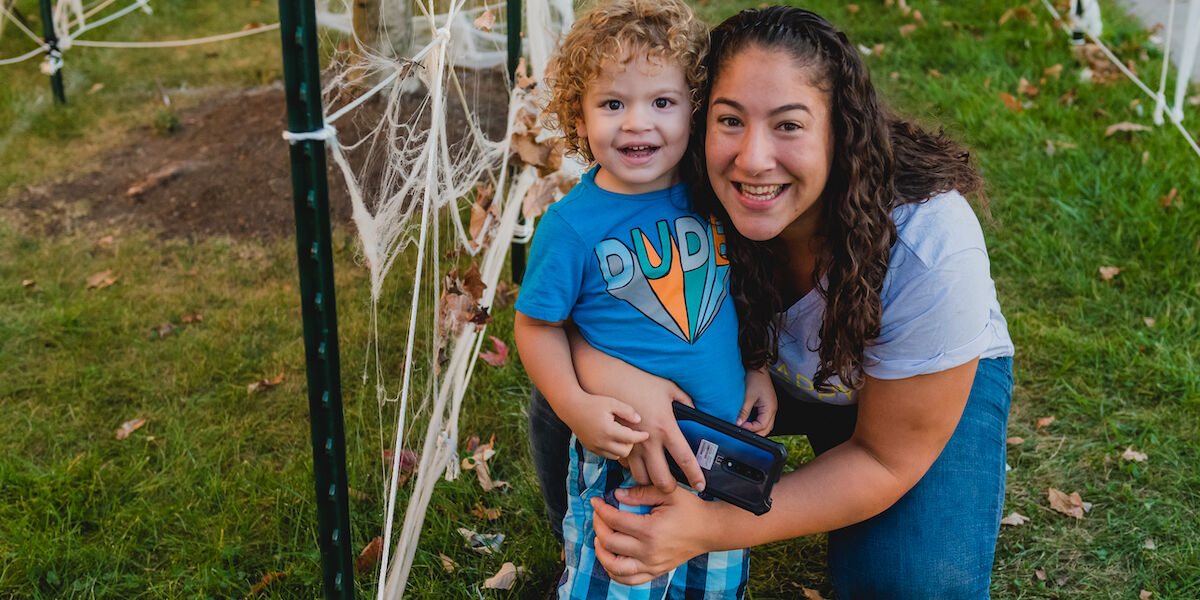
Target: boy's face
{"points": [[636, 120]]}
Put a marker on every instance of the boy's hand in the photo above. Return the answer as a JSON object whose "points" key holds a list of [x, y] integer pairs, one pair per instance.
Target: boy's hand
{"points": [[602, 425], [760, 395]]}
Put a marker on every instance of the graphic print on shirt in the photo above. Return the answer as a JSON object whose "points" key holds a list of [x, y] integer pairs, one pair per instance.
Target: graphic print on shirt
{"points": [[681, 284]]}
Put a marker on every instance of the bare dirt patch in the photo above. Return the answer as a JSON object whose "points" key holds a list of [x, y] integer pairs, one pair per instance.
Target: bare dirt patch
{"points": [[225, 172]]}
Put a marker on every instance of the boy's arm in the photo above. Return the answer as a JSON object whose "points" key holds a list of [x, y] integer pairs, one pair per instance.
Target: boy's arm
{"points": [[600, 422]]}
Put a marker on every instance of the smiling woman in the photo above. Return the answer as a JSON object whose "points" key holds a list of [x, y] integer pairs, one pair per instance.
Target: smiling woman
{"points": [[861, 277]]}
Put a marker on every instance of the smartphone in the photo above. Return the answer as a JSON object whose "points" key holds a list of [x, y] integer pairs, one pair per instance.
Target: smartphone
{"points": [[740, 467]]}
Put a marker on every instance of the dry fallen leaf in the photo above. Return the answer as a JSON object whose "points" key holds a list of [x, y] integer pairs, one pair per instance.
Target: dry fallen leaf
{"points": [[1072, 505], [28, 283], [934, 73], [1011, 102], [105, 241], [264, 384], [1133, 455], [266, 580], [1021, 12], [485, 543], [1149, 544], [482, 512], [1068, 98], [523, 81], [359, 495], [906, 30], [485, 21], [251, 25], [408, 460], [499, 357], [1015, 441], [1014, 518], [504, 578], [1148, 321], [129, 427], [481, 453], [1026, 88], [1044, 421], [192, 318], [1107, 273], [1170, 199], [447, 563], [1145, 595], [1040, 574], [916, 16], [852, 8], [370, 556], [158, 178], [95, 88], [1054, 71], [164, 329], [1124, 126], [101, 280], [811, 594]]}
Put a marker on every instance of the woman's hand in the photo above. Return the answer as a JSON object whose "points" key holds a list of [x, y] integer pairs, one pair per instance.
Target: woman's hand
{"points": [[760, 399], [647, 460], [636, 548]]}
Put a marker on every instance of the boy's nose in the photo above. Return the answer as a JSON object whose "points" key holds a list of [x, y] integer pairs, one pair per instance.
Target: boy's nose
{"points": [[636, 119]]}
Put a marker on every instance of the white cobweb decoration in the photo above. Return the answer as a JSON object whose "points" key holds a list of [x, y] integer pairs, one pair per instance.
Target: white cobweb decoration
{"points": [[417, 159]]}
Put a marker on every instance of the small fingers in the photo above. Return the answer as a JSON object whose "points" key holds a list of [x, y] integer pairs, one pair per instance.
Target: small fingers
{"points": [[625, 412]]}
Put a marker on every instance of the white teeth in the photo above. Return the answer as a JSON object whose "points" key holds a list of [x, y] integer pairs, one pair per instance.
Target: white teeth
{"points": [[761, 190], [637, 148]]}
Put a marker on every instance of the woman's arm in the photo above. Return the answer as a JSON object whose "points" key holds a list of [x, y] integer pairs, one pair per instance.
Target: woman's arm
{"points": [[902, 427], [651, 397]]}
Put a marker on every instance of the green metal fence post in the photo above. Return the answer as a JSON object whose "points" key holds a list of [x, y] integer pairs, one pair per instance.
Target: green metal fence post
{"points": [[301, 69], [53, 54], [514, 55]]}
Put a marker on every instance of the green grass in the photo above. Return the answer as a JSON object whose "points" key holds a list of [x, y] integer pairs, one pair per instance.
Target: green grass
{"points": [[215, 491], [132, 82]]}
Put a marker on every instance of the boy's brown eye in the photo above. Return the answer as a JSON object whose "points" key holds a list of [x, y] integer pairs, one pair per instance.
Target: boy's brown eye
{"points": [[613, 105], [661, 103]]}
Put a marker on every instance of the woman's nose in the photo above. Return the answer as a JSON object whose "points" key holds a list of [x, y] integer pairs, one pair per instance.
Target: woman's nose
{"points": [[755, 152]]}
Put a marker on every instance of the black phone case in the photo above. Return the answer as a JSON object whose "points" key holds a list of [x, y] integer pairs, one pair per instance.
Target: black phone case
{"points": [[739, 467]]}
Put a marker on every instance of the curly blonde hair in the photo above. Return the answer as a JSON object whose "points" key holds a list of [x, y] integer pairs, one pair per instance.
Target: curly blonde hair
{"points": [[613, 32]]}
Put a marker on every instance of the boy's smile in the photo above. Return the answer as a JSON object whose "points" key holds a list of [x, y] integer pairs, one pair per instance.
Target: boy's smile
{"points": [[636, 120]]}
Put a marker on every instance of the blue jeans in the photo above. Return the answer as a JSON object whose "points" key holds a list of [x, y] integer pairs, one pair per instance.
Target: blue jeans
{"points": [[937, 541]]}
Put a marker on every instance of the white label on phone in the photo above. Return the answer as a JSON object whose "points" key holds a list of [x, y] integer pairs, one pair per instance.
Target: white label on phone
{"points": [[705, 454]]}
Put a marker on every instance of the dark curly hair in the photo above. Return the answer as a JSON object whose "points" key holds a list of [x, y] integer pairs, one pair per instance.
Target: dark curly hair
{"points": [[879, 162]]}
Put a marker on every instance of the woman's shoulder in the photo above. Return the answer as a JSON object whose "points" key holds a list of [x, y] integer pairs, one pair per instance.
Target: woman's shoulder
{"points": [[941, 226]]}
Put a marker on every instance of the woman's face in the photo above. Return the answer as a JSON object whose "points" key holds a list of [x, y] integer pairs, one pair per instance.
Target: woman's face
{"points": [[768, 144]]}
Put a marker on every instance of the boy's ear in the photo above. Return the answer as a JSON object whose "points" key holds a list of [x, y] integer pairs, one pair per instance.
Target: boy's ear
{"points": [[580, 127]]}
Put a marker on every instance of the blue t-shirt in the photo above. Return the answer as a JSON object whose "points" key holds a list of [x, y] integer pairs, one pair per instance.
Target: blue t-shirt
{"points": [[939, 305], [646, 281]]}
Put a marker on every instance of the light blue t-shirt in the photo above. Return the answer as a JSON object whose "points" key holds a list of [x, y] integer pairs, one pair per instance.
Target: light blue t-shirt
{"points": [[939, 305], [646, 281]]}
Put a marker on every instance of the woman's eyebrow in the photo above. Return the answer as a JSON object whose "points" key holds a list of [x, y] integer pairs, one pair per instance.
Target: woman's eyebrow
{"points": [[774, 111]]}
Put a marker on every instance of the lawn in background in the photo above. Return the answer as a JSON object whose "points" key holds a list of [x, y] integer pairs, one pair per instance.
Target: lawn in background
{"points": [[214, 493]]}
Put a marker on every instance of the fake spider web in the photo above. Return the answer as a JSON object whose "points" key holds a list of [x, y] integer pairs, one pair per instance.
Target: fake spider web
{"points": [[439, 194]]}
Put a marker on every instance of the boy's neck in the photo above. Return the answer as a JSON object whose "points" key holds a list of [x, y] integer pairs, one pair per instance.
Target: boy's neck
{"points": [[608, 182]]}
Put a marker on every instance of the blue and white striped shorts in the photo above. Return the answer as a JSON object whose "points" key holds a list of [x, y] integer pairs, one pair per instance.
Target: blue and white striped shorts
{"points": [[712, 576]]}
